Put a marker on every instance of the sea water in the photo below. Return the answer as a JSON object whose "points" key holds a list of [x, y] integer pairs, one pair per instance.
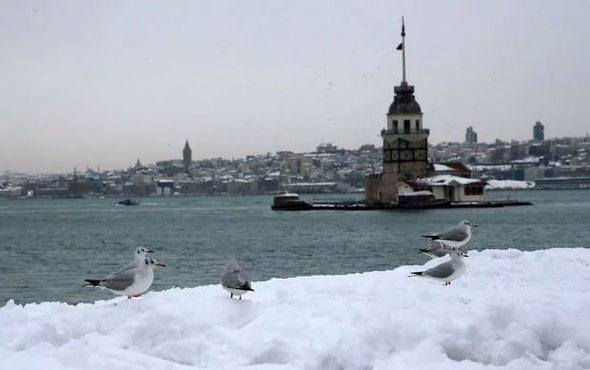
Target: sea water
{"points": [[49, 246]]}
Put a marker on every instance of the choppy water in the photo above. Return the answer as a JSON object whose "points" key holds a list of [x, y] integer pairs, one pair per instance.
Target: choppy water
{"points": [[47, 247]]}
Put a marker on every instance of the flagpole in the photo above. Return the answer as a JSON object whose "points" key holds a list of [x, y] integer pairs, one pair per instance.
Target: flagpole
{"points": [[404, 51]]}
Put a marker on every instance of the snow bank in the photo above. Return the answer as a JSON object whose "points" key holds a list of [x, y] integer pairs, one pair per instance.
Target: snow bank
{"points": [[511, 310], [509, 184]]}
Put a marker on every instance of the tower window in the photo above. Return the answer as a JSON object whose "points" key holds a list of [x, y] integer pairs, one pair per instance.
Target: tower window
{"points": [[394, 125], [417, 124], [407, 126]]}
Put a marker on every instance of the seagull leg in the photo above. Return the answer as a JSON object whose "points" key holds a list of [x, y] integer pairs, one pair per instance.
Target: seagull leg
{"points": [[240, 298], [231, 295], [129, 297]]}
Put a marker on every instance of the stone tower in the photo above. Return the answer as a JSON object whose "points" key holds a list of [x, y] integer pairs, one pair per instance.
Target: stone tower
{"points": [[405, 142], [187, 155]]}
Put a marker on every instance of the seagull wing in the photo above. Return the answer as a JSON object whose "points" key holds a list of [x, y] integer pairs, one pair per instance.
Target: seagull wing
{"points": [[119, 280], [434, 245], [234, 276], [442, 271], [243, 277], [229, 279], [456, 234]]}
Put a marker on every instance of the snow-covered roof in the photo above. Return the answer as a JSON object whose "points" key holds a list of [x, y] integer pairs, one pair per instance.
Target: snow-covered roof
{"points": [[444, 180], [442, 167]]}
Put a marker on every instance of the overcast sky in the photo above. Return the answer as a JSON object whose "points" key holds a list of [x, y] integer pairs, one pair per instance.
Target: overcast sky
{"points": [[87, 83]]}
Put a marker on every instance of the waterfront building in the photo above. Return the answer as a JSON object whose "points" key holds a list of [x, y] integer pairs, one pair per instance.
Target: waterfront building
{"points": [[164, 187], [405, 142], [470, 136], [455, 189], [538, 131]]}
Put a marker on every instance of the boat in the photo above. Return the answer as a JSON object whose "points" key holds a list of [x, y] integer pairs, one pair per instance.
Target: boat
{"points": [[289, 202], [128, 202]]}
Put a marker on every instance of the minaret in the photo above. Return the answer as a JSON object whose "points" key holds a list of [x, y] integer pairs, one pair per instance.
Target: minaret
{"points": [[187, 155], [405, 141]]}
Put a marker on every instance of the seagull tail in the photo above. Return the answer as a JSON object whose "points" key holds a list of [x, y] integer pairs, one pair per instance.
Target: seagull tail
{"points": [[417, 273], [431, 237], [92, 282]]}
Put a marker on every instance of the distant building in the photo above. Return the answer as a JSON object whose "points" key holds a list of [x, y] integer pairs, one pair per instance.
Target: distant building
{"points": [[187, 155], [165, 187], [326, 148], [367, 148], [470, 136], [538, 131]]}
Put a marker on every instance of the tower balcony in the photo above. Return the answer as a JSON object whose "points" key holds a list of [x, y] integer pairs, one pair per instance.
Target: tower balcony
{"points": [[406, 131]]}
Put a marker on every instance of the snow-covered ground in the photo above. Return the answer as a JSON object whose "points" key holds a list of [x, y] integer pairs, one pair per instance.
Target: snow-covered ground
{"points": [[509, 184], [511, 310]]}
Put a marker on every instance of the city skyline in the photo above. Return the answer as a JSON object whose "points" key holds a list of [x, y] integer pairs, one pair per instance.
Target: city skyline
{"points": [[106, 84]]}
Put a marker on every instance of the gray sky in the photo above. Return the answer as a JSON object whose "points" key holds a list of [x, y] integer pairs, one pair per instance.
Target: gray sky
{"points": [[105, 82]]}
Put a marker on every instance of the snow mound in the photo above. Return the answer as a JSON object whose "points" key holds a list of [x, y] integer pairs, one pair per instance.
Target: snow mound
{"points": [[511, 310], [509, 184]]}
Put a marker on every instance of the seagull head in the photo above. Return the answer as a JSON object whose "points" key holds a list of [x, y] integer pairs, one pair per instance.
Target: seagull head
{"points": [[151, 263], [141, 252], [467, 224], [457, 252]]}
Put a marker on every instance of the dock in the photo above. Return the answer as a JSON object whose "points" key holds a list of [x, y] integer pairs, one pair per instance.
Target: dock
{"points": [[362, 206]]}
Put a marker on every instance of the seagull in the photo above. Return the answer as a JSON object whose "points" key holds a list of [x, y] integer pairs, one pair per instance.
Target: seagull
{"points": [[132, 281], [235, 279], [446, 271], [436, 249], [455, 237]]}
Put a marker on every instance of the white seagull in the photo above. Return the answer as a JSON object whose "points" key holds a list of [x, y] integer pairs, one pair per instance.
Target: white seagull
{"points": [[132, 281], [455, 237], [235, 279], [446, 271]]}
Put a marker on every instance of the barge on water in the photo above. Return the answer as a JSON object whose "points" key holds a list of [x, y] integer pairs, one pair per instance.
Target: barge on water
{"points": [[292, 202]]}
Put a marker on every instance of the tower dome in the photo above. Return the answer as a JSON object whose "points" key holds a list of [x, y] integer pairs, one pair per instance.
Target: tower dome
{"points": [[404, 101]]}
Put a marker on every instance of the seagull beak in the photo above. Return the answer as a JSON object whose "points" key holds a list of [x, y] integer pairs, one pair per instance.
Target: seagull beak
{"points": [[160, 264], [473, 225]]}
